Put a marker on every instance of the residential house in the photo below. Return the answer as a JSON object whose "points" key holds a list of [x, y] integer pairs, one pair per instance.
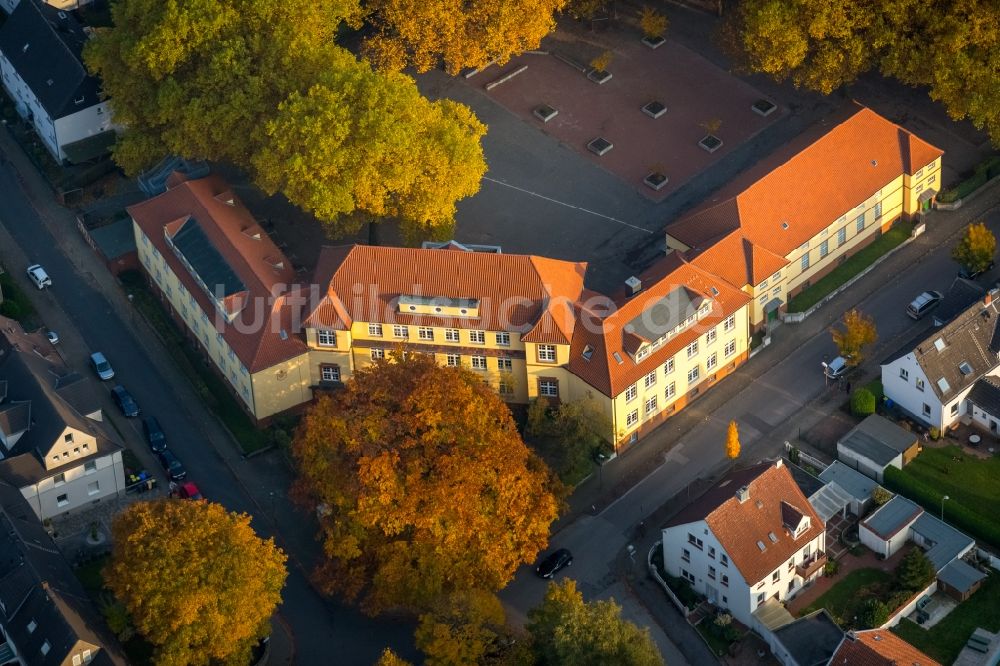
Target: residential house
{"points": [[53, 444], [750, 542], [961, 295], [42, 70], [234, 292], [808, 641], [877, 647], [798, 213], [46, 618], [931, 378], [877, 443]]}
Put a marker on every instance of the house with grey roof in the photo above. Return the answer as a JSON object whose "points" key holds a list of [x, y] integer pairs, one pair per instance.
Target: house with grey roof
{"points": [[857, 486], [877, 443], [931, 378], [53, 445], [46, 617], [41, 68]]}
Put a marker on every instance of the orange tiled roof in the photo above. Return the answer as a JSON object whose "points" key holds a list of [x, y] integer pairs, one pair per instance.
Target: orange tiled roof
{"points": [[518, 293], [843, 167], [602, 324], [252, 255], [877, 647], [740, 526]]}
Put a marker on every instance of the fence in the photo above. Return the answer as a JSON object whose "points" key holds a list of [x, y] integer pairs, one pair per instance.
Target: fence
{"points": [[654, 572], [806, 458], [909, 606]]}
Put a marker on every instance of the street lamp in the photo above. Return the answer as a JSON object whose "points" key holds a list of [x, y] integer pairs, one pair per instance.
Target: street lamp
{"points": [[942, 505]]}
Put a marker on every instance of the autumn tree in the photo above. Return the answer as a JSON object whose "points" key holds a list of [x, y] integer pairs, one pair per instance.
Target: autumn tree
{"points": [[976, 248], [461, 629], [732, 441], [880, 496], [856, 334], [390, 658], [652, 22], [950, 46], [586, 10], [199, 584], [472, 33], [369, 144], [567, 630], [425, 485]]}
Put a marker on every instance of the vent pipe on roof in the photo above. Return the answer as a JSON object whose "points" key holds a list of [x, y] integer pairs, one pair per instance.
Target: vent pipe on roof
{"points": [[743, 494], [634, 285]]}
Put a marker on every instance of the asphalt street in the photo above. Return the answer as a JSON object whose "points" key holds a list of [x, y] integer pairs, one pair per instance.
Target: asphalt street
{"points": [[324, 632]]}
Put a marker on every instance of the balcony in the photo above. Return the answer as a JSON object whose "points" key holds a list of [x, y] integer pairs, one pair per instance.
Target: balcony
{"points": [[809, 567]]}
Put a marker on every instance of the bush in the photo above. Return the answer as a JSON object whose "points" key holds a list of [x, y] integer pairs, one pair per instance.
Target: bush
{"points": [[934, 433], [873, 614], [880, 496], [830, 568], [793, 455], [863, 402]]}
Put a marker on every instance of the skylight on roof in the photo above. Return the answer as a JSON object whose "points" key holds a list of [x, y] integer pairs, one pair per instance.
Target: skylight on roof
{"points": [[965, 368], [943, 385], [784, 225], [939, 344], [760, 544], [618, 358], [588, 352], [715, 292], [772, 537]]}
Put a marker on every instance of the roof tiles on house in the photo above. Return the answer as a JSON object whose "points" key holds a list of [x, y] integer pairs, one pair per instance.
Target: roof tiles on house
{"points": [[878, 647], [739, 526], [231, 249], [768, 208]]}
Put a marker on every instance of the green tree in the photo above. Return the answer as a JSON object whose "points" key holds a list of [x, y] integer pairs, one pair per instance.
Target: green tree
{"points": [[471, 33], [539, 422], [856, 335], [419, 469], [566, 630], [461, 629], [863, 402], [872, 614], [198, 583], [370, 144], [976, 248], [915, 572]]}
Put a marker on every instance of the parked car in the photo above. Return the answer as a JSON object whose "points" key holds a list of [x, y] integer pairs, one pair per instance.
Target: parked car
{"points": [[101, 366], [171, 465], [556, 560], [836, 368], [53, 337], [125, 401], [38, 275], [923, 304], [188, 490], [969, 274], [155, 437]]}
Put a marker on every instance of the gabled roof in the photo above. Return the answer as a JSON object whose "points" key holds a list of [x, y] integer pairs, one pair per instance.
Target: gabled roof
{"points": [[44, 46], [231, 252], [878, 647], [743, 527], [609, 333], [961, 295], [531, 295], [768, 209], [738, 260], [985, 394], [955, 356], [37, 584]]}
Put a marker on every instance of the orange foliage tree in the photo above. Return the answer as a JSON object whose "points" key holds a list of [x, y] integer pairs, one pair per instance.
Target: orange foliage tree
{"points": [[422, 486]]}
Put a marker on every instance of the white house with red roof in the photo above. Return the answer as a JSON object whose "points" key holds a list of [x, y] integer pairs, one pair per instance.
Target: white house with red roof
{"points": [[750, 542]]}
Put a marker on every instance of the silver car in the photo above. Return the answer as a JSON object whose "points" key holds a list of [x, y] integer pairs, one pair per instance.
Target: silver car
{"points": [[101, 366], [38, 275]]}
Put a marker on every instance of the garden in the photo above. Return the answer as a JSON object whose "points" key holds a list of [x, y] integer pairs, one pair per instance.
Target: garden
{"points": [[15, 303]]}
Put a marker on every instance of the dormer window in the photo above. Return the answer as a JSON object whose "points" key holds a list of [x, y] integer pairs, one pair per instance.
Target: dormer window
{"points": [[588, 352], [642, 353], [802, 528]]}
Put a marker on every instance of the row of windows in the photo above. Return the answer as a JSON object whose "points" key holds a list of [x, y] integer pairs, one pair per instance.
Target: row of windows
{"points": [[905, 376], [455, 360], [93, 488], [402, 332], [650, 379], [824, 247], [89, 467]]}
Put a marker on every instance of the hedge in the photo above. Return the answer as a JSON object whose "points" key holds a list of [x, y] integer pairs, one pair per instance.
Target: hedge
{"points": [[984, 171], [976, 525], [863, 402]]}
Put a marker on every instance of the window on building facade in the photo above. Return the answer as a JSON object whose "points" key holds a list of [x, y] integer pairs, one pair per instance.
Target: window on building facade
{"points": [[878, 210], [59, 479], [451, 334], [93, 487], [630, 393], [919, 384], [723, 559], [730, 323], [711, 552], [377, 353], [375, 330], [711, 573], [930, 180], [477, 337], [650, 405], [650, 379], [632, 418], [805, 262], [505, 364], [776, 291], [329, 373], [454, 360], [711, 362], [425, 333], [505, 387], [685, 554], [926, 409], [860, 223], [693, 375], [824, 249], [548, 387], [478, 362], [904, 374], [62, 500], [730, 347], [503, 339], [324, 337], [642, 353], [671, 389], [954, 409], [842, 236], [400, 331], [710, 336], [776, 576], [89, 467], [547, 353], [668, 367], [692, 349], [763, 299], [725, 580]]}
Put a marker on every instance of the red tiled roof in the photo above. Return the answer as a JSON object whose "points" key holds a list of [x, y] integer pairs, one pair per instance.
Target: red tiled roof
{"points": [[843, 167], [739, 526], [518, 293], [251, 256], [602, 324], [877, 647]]}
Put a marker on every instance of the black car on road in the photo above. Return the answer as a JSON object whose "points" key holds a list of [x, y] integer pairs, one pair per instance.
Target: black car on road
{"points": [[558, 559], [971, 274], [154, 434], [125, 401], [171, 465]]}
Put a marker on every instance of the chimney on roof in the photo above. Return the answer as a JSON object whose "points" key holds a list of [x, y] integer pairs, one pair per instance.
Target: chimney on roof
{"points": [[634, 285], [988, 298], [743, 494], [851, 636]]}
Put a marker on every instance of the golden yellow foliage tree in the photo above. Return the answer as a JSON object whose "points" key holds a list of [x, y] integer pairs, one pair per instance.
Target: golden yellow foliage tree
{"points": [[390, 658], [425, 486], [200, 585], [856, 334], [652, 22], [732, 441], [425, 33], [461, 629], [976, 248], [601, 61]]}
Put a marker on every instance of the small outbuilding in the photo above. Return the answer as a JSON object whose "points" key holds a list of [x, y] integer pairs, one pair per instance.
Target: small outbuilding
{"points": [[877, 443], [959, 580]]}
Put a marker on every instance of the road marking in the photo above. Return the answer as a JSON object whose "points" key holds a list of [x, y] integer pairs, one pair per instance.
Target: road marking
{"points": [[567, 205]]}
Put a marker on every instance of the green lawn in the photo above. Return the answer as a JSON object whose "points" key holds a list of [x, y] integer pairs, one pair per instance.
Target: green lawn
{"points": [[945, 639], [847, 270], [844, 599]]}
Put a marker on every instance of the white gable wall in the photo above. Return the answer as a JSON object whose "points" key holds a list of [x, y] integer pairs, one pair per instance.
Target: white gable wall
{"points": [[85, 122], [28, 105], [924, 404]]}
